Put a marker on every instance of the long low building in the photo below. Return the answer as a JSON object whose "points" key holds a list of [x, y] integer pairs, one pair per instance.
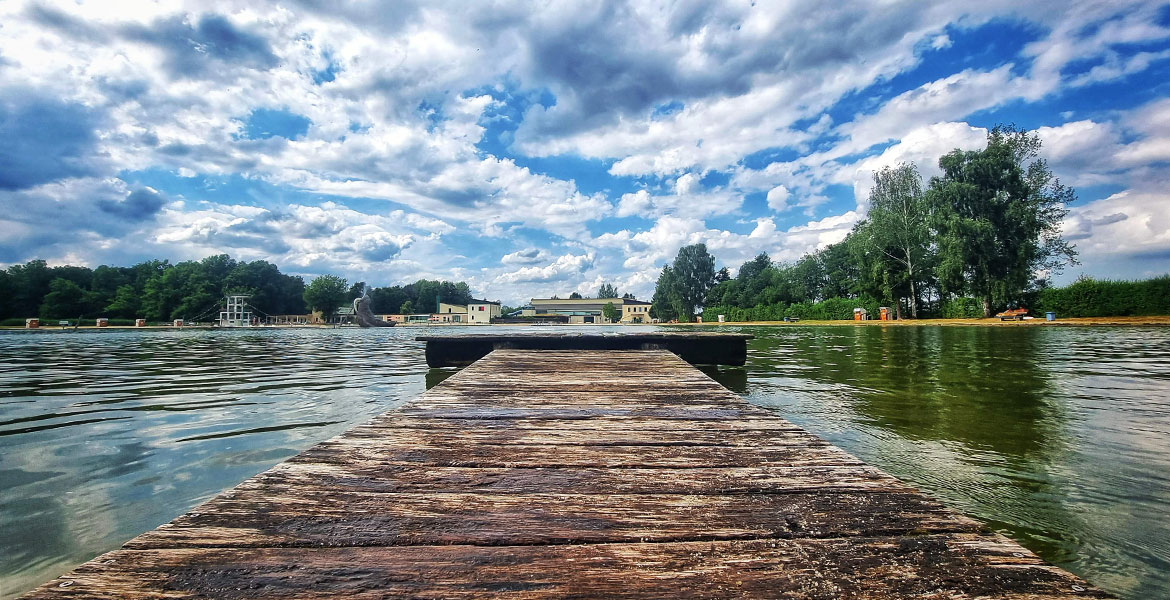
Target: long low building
{"points": [[589, 310]]}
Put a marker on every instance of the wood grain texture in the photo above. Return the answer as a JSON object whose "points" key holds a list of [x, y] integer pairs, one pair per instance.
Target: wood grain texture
{"points": [[927, 566], [549, 473]]}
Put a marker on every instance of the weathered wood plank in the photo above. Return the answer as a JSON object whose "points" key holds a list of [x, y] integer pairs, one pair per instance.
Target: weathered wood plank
{"points": [[376, 476], [345, 450], [318, 516], [930, 566], [418, 438], [399, 420], [586, 412]]}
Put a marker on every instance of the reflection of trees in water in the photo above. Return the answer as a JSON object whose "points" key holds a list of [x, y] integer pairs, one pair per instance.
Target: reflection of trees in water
{"points": [[732, 378], [973, 413], [980, 386], [436, 376]]}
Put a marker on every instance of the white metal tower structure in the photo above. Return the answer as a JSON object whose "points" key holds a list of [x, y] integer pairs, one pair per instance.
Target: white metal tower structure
{"points": [[236, 313]]}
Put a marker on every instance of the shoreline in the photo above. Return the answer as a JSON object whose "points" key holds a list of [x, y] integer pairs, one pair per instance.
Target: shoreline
{"points": [[1151, 321]]}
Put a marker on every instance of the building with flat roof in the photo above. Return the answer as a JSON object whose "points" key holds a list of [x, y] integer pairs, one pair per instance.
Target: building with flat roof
{"points": [[481, 312], [590, 310], [450, 313]]}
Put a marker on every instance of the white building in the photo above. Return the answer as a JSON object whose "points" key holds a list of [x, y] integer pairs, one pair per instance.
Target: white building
{"points": [[481, 312]]}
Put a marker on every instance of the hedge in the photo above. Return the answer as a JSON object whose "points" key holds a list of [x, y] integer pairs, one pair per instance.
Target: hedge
{"points": [[1108, 298]]}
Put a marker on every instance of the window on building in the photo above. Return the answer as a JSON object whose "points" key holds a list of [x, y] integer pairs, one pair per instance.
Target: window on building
{"points": [[481, 308]]}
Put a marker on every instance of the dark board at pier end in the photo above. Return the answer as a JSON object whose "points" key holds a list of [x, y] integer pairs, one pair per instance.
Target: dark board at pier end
{"points": [[695, 348]]}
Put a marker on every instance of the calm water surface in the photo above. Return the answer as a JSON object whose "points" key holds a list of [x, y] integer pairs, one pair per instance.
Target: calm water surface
{"points": [[1058, 437]]}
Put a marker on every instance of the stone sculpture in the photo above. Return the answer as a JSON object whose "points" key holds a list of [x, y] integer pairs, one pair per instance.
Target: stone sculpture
{"points": [[365, 317]]}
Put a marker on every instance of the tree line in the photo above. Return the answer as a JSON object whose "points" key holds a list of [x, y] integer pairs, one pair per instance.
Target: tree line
{"points": [[157, 290], [984, 234]]}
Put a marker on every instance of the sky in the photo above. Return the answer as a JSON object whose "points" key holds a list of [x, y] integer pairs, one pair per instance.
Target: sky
{"points": [[540, 148]]}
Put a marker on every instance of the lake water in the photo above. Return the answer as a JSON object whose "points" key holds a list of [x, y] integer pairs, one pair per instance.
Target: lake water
{"points": [[1057, 437]]}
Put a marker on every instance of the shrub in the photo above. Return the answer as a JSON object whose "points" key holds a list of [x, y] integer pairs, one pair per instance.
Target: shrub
{"points": [[961, 308]]}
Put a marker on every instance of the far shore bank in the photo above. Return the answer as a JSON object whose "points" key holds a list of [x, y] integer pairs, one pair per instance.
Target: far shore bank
{"points": [[1154, 321]]}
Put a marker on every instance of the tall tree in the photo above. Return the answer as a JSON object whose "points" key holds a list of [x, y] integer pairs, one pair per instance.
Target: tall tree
{"points": [[28, 284], [607, 291], [326, 293], [126, 302], [574, 296], [63, 300], [684, 285], [997, 215], [899, 229], [666, 304]]}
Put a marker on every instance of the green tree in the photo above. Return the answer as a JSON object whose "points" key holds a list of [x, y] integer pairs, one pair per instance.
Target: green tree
{"points": [[694, 274], [326, 293], [265, 287], [611, 312], [27, 286], [997, 213], [387, 300], [63, 300], [407, 308], [899, 229], [6, 294], [607, 291], [183, 291], [666, 304], [574, 296], [126, 302]]}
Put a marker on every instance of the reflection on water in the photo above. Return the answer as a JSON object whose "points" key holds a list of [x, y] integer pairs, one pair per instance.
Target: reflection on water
{"points": [[437, 376], [104, 435], [1059, 437], [732, 378]]}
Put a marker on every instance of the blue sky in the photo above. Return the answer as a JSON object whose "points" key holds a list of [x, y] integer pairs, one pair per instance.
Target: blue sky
{"points": [[543, 149]]}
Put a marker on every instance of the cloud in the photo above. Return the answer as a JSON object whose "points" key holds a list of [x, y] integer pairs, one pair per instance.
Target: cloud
{"points": [[528, 256], [1127, 223], [634, 203], [778, 198], [138, 205], [688, 199], [561, 269], [44, 140], [193, 46]]}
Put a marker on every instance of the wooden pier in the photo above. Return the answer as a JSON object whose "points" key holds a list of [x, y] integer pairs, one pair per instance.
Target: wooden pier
{"points": [[697, 348], [572, 473]]}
